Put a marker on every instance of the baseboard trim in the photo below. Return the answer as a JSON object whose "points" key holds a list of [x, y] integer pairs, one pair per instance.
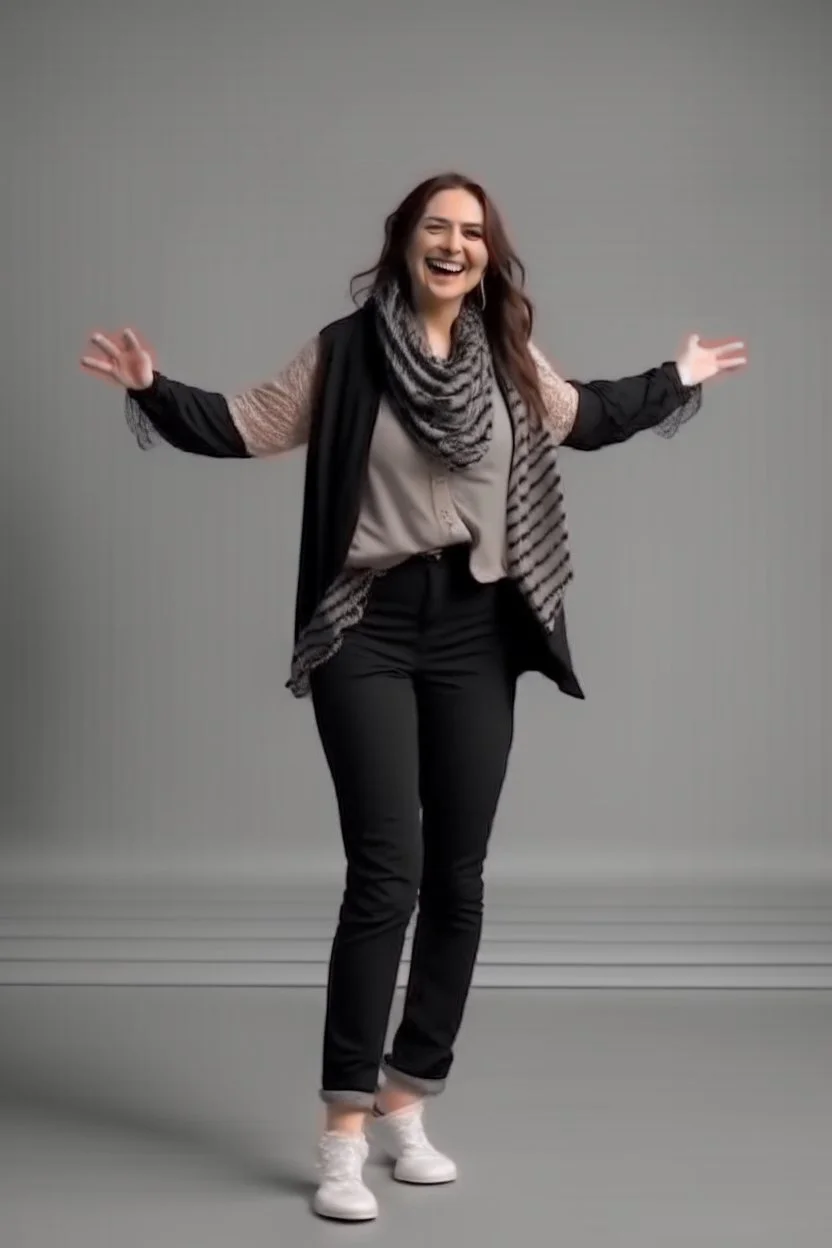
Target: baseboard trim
{"points": [[535, 935]]}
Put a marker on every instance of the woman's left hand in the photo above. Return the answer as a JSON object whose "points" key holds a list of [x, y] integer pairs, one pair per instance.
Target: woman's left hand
{"points": [[697, 363]]}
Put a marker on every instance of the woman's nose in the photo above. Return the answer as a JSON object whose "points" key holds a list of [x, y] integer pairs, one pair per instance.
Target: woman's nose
{"points": [[453, 242]]}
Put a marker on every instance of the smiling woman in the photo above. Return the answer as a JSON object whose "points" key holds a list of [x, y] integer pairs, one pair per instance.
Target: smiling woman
{"points": [[448, 256], [433, 562]]}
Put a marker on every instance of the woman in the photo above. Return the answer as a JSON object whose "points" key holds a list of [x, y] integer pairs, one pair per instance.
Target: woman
{"points": [[432, 571]]}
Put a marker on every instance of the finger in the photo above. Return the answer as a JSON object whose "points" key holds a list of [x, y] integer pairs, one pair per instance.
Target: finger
{"points": [[730, 346], [106, 346], [737, 363], [130, 340], [101, 366]]}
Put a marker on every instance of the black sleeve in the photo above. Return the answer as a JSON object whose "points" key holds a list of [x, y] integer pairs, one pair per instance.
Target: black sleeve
{"points": [[613, 411], [192, 420]]}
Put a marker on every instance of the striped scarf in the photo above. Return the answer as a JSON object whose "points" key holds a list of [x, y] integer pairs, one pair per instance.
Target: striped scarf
{"points": [[446, 406]]}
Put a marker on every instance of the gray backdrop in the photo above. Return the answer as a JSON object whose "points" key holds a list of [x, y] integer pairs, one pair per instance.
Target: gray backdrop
{"points": [[212, 175]]}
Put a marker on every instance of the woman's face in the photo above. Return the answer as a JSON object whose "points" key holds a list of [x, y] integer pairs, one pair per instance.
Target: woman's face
{"points": [[447, 255]]}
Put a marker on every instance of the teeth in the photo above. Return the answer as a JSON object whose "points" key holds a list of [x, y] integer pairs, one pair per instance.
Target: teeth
{"points": [[446, 266]]}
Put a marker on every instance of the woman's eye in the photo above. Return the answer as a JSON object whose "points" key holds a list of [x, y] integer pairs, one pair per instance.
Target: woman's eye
{"points": [[435, 228]]}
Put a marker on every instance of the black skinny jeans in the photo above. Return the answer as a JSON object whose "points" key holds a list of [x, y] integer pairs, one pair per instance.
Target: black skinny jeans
{"points": [[416, 710]]}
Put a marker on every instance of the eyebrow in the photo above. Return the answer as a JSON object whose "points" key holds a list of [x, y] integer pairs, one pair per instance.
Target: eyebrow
{"points": [[469, 225]]}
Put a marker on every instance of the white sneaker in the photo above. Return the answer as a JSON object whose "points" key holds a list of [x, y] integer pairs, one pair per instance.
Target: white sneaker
{"points": [[402, 1135], [342, 1192]]}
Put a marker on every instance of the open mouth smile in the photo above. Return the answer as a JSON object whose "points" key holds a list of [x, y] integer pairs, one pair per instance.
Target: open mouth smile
{"points": [[444, 268]]}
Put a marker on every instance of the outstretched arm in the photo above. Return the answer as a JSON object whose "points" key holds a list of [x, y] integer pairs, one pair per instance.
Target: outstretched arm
{"points": [[590, 415], [266, 419], [193, 420], [609, 412]]}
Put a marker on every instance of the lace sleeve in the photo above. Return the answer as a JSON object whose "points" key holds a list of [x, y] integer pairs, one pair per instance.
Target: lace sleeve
{"points": [[274, 416], [689, 407], [138, 421], [559, 397]]}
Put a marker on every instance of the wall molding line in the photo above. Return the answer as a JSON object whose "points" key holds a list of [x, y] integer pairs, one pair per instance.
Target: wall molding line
{"points": [[541, 934]]}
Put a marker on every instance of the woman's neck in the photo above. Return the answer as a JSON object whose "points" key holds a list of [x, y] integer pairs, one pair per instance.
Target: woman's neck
{"points": [[438, 322]]}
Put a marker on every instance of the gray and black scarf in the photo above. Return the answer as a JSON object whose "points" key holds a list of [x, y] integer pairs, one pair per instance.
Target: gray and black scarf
{"points": [[446, 407]]}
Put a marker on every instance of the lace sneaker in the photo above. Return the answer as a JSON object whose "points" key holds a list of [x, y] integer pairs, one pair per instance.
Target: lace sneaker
{"points": [[342, 1192], [402, 1135]]}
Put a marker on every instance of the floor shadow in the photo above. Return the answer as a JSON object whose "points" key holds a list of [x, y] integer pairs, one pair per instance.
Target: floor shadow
{"points": [[33, 1095]]}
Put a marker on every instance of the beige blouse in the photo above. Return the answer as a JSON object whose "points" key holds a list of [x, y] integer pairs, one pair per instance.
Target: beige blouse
{"points": [[410, 501]]}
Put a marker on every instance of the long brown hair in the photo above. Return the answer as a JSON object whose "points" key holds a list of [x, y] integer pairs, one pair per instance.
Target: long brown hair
{"points": [[508, 313]]}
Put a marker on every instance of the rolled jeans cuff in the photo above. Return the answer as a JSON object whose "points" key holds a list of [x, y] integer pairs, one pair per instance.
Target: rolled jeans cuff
{"points": [[428, 1087], [355, 1100]]}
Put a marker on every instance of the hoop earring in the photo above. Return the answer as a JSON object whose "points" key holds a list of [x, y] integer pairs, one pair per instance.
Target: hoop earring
{"points": [[482, 291]]}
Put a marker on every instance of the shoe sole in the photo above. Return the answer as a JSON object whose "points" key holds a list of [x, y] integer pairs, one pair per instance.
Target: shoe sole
{"points": [[385, 1156], [344, 1217], [402, 1178], [323, 1212]]}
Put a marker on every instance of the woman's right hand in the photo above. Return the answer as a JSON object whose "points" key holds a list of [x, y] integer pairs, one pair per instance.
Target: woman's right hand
{"points": [[127, 362]]}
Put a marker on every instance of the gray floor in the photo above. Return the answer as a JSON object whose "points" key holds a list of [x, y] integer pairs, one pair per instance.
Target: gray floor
{"points": [[138, 1116]]}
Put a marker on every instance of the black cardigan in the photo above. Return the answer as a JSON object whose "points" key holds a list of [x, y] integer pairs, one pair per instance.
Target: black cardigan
{"points": [[349, 389]]}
